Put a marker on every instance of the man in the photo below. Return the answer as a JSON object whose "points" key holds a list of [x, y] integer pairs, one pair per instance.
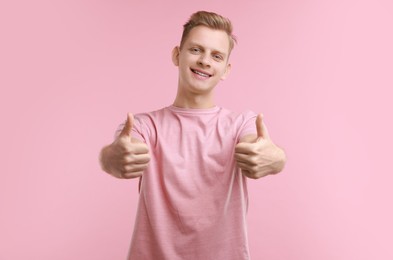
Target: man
{"points": [[193, 157]]}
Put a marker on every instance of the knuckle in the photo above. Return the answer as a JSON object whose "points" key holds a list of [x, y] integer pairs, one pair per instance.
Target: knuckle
{"points": [[124, 161], [133, 175], [123, 169], [131, 158], [121, 142], [128, 149], [252, 161], [254, 169], [131, 149]]}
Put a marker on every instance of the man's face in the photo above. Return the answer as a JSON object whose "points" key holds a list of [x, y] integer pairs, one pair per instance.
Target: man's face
{"points": [[202, 60]]}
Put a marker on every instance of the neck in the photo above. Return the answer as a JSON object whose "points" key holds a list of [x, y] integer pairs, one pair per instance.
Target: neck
{"points": [[191, 100]]}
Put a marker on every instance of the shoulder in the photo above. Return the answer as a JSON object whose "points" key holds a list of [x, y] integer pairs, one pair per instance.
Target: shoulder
{"points": [[148, 121], [146, 117], [243, 123]]}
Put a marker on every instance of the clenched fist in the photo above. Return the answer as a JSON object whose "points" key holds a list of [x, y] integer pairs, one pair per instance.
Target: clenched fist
{"points": [[126, 157], [259, 156]]}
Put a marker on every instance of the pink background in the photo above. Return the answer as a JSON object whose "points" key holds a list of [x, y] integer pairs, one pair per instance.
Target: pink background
{"points": [[320, 71]]}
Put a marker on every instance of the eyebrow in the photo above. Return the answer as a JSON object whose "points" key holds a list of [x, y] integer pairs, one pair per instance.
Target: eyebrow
{"points": [[201, 46]]}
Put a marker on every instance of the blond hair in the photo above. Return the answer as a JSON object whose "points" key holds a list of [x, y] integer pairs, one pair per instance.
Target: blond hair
{"points": [[212, 21]]}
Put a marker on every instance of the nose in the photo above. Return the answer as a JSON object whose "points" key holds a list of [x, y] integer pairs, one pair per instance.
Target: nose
{"points": [[204, 61]]}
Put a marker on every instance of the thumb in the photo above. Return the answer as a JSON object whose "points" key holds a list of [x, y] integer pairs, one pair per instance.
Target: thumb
{"points": [[126, 132], [261, 130]]}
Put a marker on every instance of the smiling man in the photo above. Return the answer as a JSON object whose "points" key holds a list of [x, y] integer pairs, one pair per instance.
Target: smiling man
{"points": [[202, 59], [193, 157]]}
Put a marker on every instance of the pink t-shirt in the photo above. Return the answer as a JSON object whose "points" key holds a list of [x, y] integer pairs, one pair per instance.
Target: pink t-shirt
{"points": [[193, 198]]}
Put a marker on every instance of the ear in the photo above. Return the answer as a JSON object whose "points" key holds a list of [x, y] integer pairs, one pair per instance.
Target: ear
{"points": [[227, 70], [175, 56]]}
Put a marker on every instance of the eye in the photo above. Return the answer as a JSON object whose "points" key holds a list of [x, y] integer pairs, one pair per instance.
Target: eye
{"points": [[218, 57], [195, 50]]}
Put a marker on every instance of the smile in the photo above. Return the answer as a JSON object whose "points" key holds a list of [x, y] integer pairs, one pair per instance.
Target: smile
{"points": [[200, 73]]}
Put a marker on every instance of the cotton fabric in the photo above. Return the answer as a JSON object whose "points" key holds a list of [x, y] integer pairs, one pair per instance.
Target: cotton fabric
{"points": [[193, 198]]}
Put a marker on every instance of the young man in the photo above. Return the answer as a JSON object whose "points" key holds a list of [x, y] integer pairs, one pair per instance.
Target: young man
{"points": [[193, 157]]}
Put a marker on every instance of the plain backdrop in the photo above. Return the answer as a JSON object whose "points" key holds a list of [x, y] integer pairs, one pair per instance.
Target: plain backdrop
{"points": [[320, 71]]}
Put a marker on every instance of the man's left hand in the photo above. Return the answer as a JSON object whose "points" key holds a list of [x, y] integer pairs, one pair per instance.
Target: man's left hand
{"points": [[257, 156]]}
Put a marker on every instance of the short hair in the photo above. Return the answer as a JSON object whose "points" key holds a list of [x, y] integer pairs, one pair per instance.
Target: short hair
{"points": [[212, 21]]}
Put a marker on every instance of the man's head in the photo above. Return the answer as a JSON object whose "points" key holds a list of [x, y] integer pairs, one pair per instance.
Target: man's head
{"points": [[211, 20], [203, 55]]}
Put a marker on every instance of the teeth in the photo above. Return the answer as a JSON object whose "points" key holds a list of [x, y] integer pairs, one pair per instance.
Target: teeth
{"points": [[200, 73]]}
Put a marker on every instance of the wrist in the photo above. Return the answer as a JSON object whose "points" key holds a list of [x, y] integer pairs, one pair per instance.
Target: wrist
{"points": [[280, 161], [103, 158]]}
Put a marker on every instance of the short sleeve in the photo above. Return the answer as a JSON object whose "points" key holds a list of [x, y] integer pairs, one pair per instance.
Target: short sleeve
{"points": [[248, 124], [137, 129]]}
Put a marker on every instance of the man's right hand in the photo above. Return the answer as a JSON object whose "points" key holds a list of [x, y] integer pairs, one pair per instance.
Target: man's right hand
{"points": [[126, 157]]}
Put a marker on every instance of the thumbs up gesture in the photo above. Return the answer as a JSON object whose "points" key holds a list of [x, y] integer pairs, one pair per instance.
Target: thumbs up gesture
{"points": [[126, 157], [257, 156]]}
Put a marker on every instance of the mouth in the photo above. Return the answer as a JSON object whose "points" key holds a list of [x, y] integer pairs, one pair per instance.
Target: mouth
{"points": [[201, 73]]}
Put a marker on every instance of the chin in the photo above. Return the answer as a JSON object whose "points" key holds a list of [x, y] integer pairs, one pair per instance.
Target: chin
{"points": [[202, 89]]}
